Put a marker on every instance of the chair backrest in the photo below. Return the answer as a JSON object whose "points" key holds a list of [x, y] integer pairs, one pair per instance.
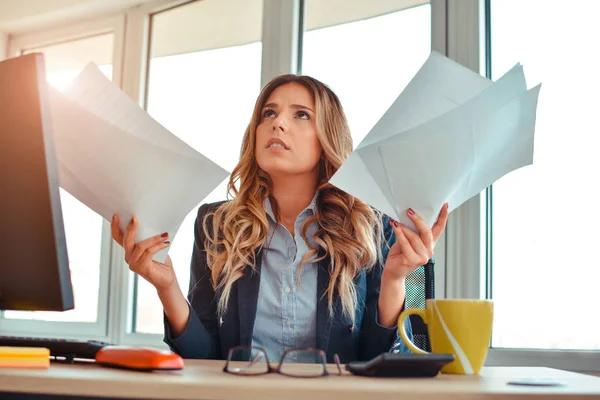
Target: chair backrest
{"points": [[419, 287]]}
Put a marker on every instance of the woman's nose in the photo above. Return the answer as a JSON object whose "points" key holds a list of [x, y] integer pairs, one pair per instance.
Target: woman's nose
{"points": [[280, 123]]}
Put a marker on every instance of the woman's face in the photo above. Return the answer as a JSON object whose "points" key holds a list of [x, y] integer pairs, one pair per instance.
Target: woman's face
{"points": [[286, 137]]}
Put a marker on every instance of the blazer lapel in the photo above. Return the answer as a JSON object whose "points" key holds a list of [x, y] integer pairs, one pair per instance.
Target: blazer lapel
{"points": [[248, 286], [324, 321]]}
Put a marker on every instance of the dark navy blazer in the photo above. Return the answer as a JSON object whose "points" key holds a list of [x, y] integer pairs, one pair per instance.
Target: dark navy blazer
{"points": [[208, 337]]}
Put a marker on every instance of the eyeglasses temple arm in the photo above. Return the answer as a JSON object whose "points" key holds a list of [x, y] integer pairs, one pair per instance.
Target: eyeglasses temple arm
{"points": [[336, 358]]}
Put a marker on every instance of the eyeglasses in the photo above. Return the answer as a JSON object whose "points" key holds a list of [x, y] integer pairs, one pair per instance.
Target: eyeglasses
{"points": [[250, 360]]}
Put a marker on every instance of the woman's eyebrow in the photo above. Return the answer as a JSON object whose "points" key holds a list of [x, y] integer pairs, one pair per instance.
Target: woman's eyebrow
{"points": [[296, 106], [301, 107]]}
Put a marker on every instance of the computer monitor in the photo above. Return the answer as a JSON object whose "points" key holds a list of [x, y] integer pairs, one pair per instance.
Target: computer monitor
{"points": [[34, 270]]}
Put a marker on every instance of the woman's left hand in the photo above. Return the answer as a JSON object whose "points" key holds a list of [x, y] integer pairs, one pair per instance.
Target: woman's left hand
{"points": [[412, 249]]}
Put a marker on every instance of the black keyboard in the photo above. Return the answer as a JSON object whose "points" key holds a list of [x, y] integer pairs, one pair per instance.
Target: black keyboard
{"points": [[68, 349]]}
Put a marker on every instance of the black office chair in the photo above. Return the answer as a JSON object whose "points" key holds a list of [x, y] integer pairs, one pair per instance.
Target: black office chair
{"points": [[419, 287]]}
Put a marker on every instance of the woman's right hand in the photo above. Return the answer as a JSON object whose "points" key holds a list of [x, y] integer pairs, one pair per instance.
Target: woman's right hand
{"points": [[139, 255]]}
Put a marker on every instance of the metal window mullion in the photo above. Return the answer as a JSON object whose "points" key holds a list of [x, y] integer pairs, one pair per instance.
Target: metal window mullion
{"points": [[103, 308], [106, 238], [463, 250], [133, 83], [281, 38], [488, 230], [300, 40], [439, 14], [440, 45]]}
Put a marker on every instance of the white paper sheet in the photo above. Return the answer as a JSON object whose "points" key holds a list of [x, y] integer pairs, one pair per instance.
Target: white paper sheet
{"points": [[449, 135], [116, 159], [95, 93], [440, 85]]}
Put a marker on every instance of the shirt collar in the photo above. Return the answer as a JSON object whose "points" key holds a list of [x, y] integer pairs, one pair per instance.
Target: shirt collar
{"points": [[312, 207]]}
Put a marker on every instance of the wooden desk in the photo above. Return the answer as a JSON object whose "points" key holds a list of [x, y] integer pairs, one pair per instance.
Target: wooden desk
{"points": [[205, 380]]}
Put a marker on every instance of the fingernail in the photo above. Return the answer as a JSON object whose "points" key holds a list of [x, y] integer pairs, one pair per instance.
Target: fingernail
{"points": [[165, 234], [132, 220], [396, 224], [114, 217], [411, 211], [167, 242]]}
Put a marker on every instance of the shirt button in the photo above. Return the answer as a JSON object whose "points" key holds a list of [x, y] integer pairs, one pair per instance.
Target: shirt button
{"points": [[287, 289]]}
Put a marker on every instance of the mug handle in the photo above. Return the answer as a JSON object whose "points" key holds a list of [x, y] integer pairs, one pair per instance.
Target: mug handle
{"points": [[402, 328]]}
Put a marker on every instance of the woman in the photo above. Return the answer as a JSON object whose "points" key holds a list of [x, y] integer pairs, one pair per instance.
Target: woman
{"points": [[290, 261]]}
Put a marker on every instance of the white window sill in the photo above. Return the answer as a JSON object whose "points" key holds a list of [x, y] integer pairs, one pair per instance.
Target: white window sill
{"points": [[571, 360]]}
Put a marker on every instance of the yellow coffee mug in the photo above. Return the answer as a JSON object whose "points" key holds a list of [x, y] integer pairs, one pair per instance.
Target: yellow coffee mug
{"points": [[462, 327]]}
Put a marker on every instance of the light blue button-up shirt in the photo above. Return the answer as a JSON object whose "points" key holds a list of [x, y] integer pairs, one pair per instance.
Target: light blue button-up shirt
{"points": [[286, 311]]}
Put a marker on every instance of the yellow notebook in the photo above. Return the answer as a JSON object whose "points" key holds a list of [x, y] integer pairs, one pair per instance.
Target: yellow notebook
{"points": [[24, 357]]}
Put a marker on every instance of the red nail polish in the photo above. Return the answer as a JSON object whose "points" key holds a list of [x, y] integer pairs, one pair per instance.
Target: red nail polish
{"points": [[396, 224], [167, 242], [165, 234], [411, 211]]}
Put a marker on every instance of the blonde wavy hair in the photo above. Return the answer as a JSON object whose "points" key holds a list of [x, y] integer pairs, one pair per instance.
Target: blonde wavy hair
{"points": [[349, 231]]}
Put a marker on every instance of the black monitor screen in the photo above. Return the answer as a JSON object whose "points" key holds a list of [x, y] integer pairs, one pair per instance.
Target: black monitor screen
{"points": [[34, 270]]}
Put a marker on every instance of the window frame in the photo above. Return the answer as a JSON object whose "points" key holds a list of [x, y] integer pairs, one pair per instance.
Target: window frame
{"points": [[282, 40], [458, 31], [279, 45], [466, 252], [16, 45]]}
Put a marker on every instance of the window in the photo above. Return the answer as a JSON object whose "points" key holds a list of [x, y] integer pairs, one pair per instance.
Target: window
{"points": [[366, 52], [544, 275], [204, 78], [83, 227]]}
